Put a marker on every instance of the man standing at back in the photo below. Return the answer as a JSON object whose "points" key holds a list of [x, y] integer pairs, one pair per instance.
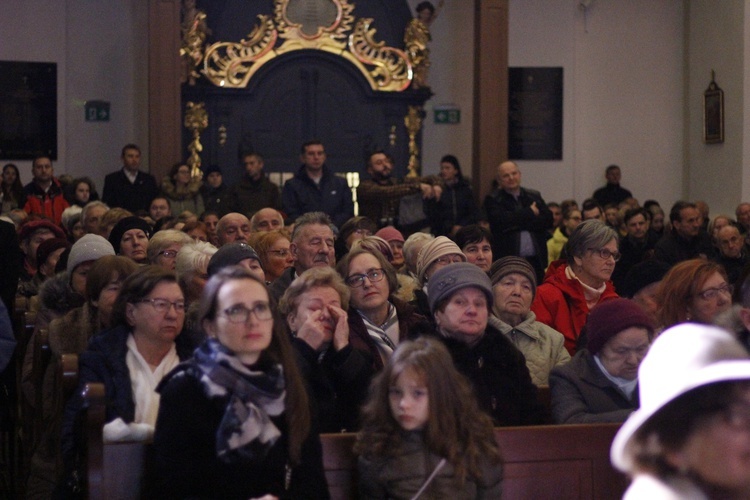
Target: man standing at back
{"points": [[612, 193], [254, 191], [129, 187], [316, 189], [519, 219], [44, 195]]}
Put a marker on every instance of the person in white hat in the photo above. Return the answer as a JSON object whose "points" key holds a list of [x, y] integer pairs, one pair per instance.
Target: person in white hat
{"points": [[691, 436]]}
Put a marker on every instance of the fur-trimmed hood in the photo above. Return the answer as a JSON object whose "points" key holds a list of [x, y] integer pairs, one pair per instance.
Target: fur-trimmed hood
{"points": [[191, 191], [57, 296]]}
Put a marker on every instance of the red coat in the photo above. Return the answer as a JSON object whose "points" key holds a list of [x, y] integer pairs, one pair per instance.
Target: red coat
{"points": [[49, 204], [561, 304]]}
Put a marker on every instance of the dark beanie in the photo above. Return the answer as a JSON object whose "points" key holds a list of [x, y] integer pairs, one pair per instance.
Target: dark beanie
{"points": [[642, 275], [509, 265], [610, 318], [125, 225], [231, 254], [47, 247]]}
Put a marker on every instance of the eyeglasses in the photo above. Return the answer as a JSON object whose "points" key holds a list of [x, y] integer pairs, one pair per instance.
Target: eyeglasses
{"points": [[712, 293], [605, 253], [448, 259], [280, 253], [170, 254], [162, 305], [357, 280], [240, 314]]}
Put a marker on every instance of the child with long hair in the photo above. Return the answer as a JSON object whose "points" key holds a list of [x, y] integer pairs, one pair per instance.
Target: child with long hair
{"points": [[423, 434]]}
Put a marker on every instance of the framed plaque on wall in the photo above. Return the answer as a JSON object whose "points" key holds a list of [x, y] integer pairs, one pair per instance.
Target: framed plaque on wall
{"points": [[535, 112], [28, 110]]}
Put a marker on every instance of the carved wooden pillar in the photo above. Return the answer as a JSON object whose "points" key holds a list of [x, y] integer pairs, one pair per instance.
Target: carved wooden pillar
{"points": [[490, 92], [164, 116]]}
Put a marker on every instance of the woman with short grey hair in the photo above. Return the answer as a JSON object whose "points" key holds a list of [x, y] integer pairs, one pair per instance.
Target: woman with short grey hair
{"points": [[572, 288]]}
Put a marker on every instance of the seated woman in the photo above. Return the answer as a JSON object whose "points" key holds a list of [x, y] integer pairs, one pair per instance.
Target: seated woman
{"points": [[460, 298], [234, 420], [513, 287], [163, 247], [693, 290], [336, 370], [352, 230], [572, 287], [274, 253], [377, 319], [130, 237], [435, 254], [600, 382], [691, 436], [131, 358], [474, 242]]}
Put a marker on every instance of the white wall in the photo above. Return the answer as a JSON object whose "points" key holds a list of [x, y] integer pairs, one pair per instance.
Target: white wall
{"points": [[100, 49], [623, 92]]}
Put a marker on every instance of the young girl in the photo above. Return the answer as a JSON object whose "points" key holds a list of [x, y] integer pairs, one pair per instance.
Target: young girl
{"points": [[423, 435]]}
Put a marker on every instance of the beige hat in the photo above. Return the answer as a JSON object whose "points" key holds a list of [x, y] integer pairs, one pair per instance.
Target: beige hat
{"points": [[433, 250], [683, 358]]}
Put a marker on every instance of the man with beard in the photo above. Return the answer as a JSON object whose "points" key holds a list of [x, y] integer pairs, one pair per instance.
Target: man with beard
{"points": [[379, 196]]}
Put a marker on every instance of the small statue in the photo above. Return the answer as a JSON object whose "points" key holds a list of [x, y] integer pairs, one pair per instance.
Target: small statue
{"points": [[194, 33], [416, 37]]}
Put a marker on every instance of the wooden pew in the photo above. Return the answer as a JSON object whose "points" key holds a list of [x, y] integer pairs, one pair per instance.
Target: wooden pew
{"points": [[541, 462]]}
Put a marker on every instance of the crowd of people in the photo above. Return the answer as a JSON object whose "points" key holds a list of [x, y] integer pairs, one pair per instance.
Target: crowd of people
{"points": [[233, 325]]}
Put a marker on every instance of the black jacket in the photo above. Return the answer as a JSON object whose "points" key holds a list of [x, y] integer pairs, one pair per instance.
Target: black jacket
{"points": [[120, 192], [456, 207]]}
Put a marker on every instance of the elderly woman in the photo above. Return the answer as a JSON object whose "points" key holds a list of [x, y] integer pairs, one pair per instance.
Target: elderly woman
{"points": [[131, 358], [130, 238], [182, 190], [474, 242], [381, 320], [352, 230], [513, 287], [234, 420], [336, 369], [435, 254], [693, 290], [460, 298], [572, 287], [599, 384], [237, 253], [191, 267], [691, 436], [196, 229], [274, 253], [163, 247]]}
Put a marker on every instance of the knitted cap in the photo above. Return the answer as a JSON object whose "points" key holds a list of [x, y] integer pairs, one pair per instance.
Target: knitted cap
{"points": [[450, 279], [125, 225], [211, 169], [433, 250], [90, 247], [47, 247], [509, 265], [32, 226], [390, 233], [642, 275], [610, 318], [229, 255]]}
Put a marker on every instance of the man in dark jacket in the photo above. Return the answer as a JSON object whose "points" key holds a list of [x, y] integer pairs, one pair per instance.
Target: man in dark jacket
{"points": [[44, 195], [612, 193], [129, 187], [254, 191], [215, 193], [316, 189], [519, 219], [686, 240]]}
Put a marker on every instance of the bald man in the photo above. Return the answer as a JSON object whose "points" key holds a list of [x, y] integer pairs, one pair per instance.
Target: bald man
{"points": [[233, 227]]}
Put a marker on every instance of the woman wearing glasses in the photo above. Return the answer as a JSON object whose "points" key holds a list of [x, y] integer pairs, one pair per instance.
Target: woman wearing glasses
{"points": [[572, 287], [377, 320], [274, 253], [235, 419], [335, 366], [694, 290], [131, 358]]}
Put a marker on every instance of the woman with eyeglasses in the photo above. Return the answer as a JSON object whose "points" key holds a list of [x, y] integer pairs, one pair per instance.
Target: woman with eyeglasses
{"points": [[131, 358], [164, 245], [274, 253], [235, 419], [572, 287], [600, 383], [336, 366], [377, 319], [694, 290]]}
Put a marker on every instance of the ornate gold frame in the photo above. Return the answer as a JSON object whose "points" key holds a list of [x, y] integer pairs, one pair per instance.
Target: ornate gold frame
{"points": [[232, 64]]}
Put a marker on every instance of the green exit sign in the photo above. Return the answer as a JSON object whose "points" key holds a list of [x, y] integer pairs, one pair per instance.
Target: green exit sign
{"points": [[447, 115], [97, 111]]}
